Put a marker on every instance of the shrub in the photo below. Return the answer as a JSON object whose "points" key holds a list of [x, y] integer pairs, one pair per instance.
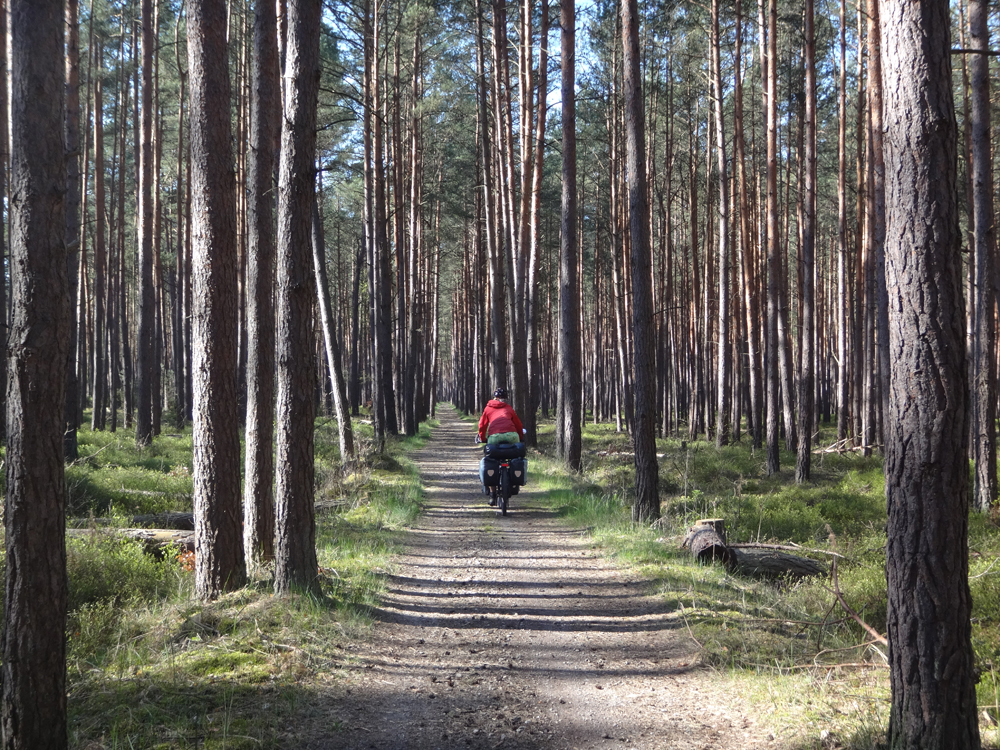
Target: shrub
{"points": [[105, 568]]}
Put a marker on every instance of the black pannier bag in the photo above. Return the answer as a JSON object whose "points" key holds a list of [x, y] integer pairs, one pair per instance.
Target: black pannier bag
{"points": [[489, 471], [505, 450], [519, 471]]}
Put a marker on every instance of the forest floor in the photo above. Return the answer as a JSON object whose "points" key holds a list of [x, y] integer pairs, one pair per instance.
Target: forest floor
{"points": [[515, 632]]}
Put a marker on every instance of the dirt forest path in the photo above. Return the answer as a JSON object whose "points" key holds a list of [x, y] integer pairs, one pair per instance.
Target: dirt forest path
{"points": [[512, 632]]}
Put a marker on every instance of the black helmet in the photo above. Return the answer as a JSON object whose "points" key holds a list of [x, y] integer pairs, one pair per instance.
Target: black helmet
{"points": [[500, 393]]}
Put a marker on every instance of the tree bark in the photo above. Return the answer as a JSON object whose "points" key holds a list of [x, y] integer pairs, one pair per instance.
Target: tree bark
{"points": [[295, 548], [220, 563], [926, 465], [33, 671], [4, 160]]}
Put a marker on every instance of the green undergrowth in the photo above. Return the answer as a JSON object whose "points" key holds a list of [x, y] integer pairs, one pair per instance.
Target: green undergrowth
{"points": [[150, 666], [804, 661]]}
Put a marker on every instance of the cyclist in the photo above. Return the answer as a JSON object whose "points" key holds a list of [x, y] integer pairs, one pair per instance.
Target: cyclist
{"points": [[500, 423]]}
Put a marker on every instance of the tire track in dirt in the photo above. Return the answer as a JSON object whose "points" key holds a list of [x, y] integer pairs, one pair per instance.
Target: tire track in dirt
{"points": [[511, 632]]}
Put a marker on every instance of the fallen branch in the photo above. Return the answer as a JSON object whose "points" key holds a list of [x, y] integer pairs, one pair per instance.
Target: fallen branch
{"points": [[787, 547], [879, 638], [844, 665], [845, 446], [866, 644], [690, 632]]}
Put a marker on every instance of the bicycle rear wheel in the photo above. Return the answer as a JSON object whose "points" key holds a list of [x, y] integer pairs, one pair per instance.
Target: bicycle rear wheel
{"points": [[504, 494]]}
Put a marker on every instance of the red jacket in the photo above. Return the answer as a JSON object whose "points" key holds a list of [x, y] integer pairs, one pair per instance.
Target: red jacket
{"points": [[499, 417]]}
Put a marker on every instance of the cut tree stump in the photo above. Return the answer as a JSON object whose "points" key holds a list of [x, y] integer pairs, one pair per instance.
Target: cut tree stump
{"points": [[707, 542]]}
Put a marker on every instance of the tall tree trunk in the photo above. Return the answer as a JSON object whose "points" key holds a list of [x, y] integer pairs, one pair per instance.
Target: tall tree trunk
{"points": [[773, 243], [725, 351], [882, 353], [159, 301], [82, 310], [532, 295], [395, 155], [181, 393], [647, 493], [806, 353], [295, 549], [72, 125], [498, 331], [843, 300], [748, 265], [984, 337], [410, 390], [569, 317], [33, 671], [147, 293], [368, 123], [265, 110], [382, 288], [220, 563], [926, 467]]}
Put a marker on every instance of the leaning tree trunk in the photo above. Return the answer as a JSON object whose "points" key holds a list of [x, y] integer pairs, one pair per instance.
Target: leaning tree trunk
{"points": [[33, 671], [926, 466], [345, 431], [220, 563]]}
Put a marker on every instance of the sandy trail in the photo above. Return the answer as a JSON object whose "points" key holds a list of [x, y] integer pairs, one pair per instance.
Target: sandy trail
{"points": [[512, 632]]}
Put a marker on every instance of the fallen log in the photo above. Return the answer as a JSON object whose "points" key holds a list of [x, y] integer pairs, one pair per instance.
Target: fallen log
{"points": [[155, 541], [769, 563], [168, 520], [707, 542]]}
